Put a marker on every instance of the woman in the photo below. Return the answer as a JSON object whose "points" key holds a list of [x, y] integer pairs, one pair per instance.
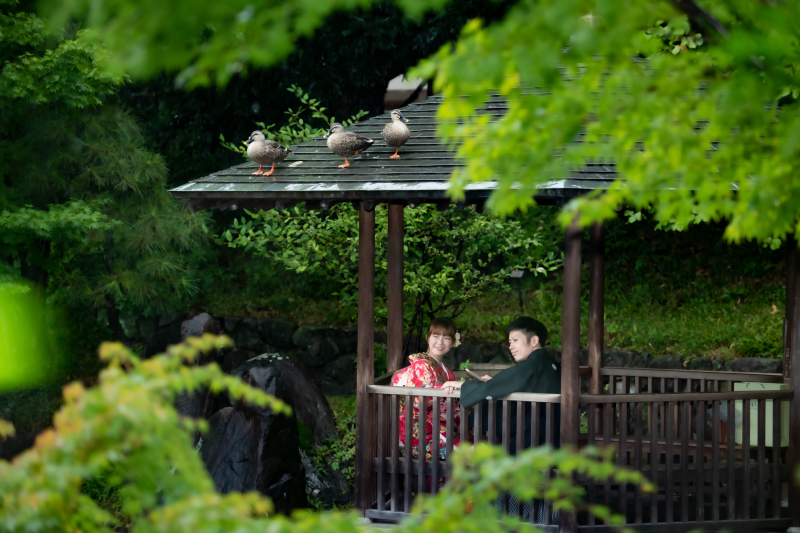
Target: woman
{"points": [[428, 371]]}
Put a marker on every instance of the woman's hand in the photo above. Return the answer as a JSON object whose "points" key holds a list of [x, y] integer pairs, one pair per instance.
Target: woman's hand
{"points": [[450, 386]]}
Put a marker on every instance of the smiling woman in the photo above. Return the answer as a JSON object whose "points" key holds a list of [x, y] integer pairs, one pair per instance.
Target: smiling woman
{"points": [[428, 371]]}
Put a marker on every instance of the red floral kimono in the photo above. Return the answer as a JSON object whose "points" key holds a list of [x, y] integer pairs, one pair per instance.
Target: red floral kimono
{"points": [[425, 371]]}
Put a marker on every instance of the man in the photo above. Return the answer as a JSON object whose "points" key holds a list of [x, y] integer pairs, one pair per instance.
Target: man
{"points": [[536, 371]]}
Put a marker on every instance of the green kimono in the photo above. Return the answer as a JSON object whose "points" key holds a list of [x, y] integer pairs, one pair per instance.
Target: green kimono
{"points": [[539, 373]]}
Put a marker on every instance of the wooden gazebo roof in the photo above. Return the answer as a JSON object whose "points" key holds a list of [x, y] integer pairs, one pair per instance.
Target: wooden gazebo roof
{"points": [[421, 175]]}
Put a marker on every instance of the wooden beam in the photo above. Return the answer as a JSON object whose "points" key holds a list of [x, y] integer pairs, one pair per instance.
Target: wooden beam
{"points": [[394, 304], [570, 346], [597, 247], [365, 427], [793, 455]]}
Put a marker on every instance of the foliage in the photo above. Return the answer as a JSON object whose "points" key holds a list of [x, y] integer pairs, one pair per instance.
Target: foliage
{"points": [[297, 129], [451, 256], [482, 473], [127, 432], [339, 454], [85, 211], [705, 130]]}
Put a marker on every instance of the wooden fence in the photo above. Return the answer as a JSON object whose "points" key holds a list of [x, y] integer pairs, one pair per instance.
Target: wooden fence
{"points": [[686, 431]]}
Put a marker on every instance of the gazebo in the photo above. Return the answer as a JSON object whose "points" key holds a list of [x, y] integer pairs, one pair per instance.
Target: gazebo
{"points": [[666, 423]]}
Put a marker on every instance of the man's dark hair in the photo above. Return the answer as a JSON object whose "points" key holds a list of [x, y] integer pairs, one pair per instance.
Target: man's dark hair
{"points": [[529, 327]]}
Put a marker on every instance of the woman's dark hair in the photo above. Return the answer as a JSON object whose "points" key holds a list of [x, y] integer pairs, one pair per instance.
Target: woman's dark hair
{"points": [[442, 326], [529, 327]]}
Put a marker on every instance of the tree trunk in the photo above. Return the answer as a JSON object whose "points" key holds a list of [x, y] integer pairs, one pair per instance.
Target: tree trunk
{"points": [[112, 313]]}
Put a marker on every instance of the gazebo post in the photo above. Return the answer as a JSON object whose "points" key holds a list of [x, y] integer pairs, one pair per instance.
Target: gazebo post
{"points": [[792, 373], [597, 248], [365, 373], [791, 254], [570, 346], [394, 304]]}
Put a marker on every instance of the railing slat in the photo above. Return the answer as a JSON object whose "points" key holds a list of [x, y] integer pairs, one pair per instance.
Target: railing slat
{"points": [[395, 447], [622, 457], [435, 435], [762, 459], [409, 441], [491, 429], [777, 485], [686, 434], [637, 456], [731, 456], [608, 428], [478, 415], [744, 505], [548, 507], [506, 427], [669, 463], [381, 426], [464, 428], [535, 425], [449, 434], [423, 437], [591, 485], [700, 458], [654, 461], [715, 460], [520, 427]]}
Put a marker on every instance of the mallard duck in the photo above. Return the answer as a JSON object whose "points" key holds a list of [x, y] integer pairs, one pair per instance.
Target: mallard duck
{"points": [[346, 143], [396, 133], [264, 152]]}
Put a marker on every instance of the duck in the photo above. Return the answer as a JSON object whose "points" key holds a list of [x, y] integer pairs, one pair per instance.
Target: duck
{"points": [[264, 152], [346, 143], [396, 133]]}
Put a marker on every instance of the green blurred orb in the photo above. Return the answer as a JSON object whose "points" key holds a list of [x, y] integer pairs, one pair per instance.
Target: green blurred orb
{"points": [[24, 341]]}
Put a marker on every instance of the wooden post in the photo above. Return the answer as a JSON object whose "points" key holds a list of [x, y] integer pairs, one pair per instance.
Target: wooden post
{"points": [[365, 373], [791, 243], [793, 455], [394, 304], [597, 247], [570, 346]]}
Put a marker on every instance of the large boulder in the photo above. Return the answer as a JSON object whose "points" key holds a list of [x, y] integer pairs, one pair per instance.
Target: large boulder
{"points": [[251, 448]]}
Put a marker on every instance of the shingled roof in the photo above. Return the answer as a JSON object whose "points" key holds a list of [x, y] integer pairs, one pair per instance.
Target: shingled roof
{"points": [[421, 175]]}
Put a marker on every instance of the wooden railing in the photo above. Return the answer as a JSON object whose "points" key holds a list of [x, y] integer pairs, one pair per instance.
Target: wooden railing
{"points": [[668, 424]]}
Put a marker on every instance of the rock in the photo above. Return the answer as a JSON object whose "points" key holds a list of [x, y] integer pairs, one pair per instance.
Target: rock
{"points": [[230, 359], [320, 344], [338, 378], [230, 324], [625, 359], [322, 486], [250, 448], [701, 363], [247, 338], [756, 364], [198, 325], [147, 327], [165, 336], [667, 361], [168, 320], [277, 332]]}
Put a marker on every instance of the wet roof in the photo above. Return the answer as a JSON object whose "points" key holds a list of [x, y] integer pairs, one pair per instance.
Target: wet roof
{"points": [[311, 173]]}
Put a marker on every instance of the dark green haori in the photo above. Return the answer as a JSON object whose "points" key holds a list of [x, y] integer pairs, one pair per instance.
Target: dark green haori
{"points": [[539, 373]]}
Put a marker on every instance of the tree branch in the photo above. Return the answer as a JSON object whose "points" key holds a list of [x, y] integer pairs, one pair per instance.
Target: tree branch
{"points": [[698, 15]]}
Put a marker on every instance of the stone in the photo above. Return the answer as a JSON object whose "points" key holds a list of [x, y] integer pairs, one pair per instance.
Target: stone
{"points": [[320, 345], [168, 320], [247, 338], [277, 332], [147, 327], [199, 325], [701, 363], [667, 361], [230, 324], [251, 448], [231, 359], [755, 364], [165, 336]]}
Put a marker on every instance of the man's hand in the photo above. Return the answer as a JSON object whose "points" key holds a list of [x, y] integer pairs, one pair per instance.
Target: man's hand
{"points": [[450, 386], [485, 378]]}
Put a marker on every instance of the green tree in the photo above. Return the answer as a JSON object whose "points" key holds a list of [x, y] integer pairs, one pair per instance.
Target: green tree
{"points": [[451, 256], [706, 130], [84, 211]]}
